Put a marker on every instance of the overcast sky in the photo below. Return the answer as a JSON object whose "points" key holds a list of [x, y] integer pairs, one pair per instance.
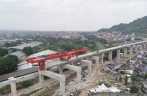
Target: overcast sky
{"points": [[68, 15]]}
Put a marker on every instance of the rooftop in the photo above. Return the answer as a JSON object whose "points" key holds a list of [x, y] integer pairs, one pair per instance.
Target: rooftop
{"points": [[18, 73], [18, 54]]}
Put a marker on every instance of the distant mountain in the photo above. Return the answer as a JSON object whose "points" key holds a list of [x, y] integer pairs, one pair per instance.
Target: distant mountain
{"points": [[137, 26]]}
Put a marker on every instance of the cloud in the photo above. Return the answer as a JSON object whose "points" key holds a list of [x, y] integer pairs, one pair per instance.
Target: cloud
{"points": [[67, 15]]}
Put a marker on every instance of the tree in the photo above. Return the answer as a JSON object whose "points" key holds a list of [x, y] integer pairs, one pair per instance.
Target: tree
{"points": [[7, 65], [134, 89], [28, 50], [15, 58], [120, 79], [126, 80], [3, 52], [145, 75], [135, 78]]}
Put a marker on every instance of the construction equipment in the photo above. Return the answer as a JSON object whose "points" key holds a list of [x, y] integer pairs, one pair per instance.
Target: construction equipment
{"points": [[63, 55]]}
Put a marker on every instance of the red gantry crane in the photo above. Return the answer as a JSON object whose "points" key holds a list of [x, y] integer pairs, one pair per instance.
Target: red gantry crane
{"points": [[68, 54]]}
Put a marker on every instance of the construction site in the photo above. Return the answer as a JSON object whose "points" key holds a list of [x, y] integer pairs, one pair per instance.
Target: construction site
{"points": [[75, 75]]}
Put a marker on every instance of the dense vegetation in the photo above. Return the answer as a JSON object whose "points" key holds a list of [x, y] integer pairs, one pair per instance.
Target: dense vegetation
{"points": [[3, 52], [7, 44], [8, 64], [58, 44], [139, 25], [28, 50]]}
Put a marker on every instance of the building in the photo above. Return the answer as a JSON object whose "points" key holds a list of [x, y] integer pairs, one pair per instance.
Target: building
{"points": [[20, 55], [19, 48]]}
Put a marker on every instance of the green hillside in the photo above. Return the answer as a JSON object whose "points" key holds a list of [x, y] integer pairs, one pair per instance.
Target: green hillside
{"points": [[137, 26]]}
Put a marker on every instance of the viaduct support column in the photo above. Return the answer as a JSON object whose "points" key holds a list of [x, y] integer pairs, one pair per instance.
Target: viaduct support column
{"points": [[101, 57], [131, 49], [13, 86], [136, 48], [59, 77], [144, 45], [75, 68], [96, 60], [125, 52], [118, 53], [140, 47], [110, 56], [41, 77], [60, 69], [89, 63]]}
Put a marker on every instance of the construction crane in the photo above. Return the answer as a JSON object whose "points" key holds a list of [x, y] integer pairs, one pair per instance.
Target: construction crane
{"points": [[66, 54]]}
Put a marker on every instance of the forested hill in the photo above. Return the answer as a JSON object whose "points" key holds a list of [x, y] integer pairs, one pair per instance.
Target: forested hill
{"points": [[137, 26]]}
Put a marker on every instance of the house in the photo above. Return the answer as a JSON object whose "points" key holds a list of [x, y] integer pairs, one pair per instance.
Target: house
{"points": [[19, 48], [144, 85], [139, 71]]}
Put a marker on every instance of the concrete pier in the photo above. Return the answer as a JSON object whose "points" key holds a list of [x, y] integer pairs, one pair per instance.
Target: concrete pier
{"points": [[89, 63], [110, 55], [12, 81], [60, 69], [75, 68], [118, 53], [96, 58], [101, 57], [59, 77], [125, 52], [131, 50]]}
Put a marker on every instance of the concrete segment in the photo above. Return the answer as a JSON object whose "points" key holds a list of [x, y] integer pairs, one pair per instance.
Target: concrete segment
{"points": [[12, 81], [75, 68], [96, 58]]}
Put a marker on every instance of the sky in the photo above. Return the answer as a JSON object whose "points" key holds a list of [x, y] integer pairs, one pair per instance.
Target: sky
{"points": [[68, 15]]}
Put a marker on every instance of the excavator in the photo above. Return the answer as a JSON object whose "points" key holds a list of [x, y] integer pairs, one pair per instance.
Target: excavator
{"points": [[63, 55]]}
